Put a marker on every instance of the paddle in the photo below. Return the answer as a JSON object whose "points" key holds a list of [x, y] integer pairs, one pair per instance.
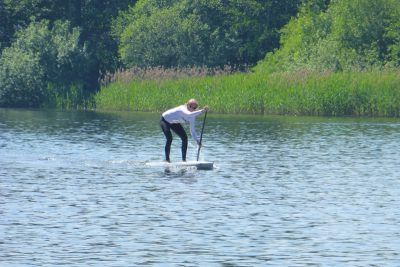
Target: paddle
{"points": [[201, 135]]}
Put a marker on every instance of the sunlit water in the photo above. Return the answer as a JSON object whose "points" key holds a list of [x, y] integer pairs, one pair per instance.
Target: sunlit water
{"points": [[75, 191]]}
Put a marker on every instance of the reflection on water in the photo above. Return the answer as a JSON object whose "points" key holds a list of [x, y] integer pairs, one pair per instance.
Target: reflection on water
{"points": [[75, 191]]}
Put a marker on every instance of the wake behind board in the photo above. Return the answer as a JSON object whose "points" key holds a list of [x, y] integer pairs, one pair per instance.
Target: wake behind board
{"points": [[200, 165]]}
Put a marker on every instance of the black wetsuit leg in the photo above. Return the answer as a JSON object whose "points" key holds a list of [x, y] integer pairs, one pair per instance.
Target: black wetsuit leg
{"points": [[180, 131], [166, 128]]}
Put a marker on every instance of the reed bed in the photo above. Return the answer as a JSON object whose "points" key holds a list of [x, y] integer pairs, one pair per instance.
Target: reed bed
{"points": [[372, 93], [161, 73]]}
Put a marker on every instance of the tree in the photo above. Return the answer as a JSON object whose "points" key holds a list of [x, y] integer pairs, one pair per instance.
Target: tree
{"points": [[393, 34], [200, 32], [92, 17], [170, 41], [41, 56], [347, 35], [21, 79]]}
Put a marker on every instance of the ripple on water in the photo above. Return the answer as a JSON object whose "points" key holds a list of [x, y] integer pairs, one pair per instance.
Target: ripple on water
{"points": [[75, 190]]}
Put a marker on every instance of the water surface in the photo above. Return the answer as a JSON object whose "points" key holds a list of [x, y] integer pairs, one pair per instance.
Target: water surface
{"points": [[75, 191]]}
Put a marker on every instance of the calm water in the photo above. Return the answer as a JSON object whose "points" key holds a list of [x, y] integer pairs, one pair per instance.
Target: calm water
{"points": [[75, 191]]}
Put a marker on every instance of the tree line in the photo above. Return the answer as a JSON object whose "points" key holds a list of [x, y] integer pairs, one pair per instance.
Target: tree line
{"points": [[55, 52], [55, 49], [355, 35]]}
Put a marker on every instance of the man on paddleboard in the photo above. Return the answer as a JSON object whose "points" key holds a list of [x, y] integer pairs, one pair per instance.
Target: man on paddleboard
{"points": [[172, 119]]}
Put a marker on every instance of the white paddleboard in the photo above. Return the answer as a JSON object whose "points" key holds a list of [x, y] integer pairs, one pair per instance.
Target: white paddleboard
{"points": [[200, 165]]}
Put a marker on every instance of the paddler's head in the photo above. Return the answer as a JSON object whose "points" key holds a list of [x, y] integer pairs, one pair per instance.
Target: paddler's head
{"points": [[192, 104]]}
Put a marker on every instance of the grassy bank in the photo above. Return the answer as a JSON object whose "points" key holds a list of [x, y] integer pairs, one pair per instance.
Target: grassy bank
{"points": [[375, 93]]}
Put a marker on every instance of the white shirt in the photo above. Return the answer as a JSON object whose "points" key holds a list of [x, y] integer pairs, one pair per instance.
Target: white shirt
{"points": [[182, 115]]}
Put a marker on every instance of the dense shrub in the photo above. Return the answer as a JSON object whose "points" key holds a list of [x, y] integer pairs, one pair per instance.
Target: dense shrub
{"points": [[200, 33], [22, 82], [44, 60], [349, 35]]}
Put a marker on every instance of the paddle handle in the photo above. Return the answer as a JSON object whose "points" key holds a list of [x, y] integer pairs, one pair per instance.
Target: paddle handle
{"points": [[201, 135]]}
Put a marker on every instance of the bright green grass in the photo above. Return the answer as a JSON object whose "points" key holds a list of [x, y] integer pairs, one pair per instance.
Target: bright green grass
{"points": [[375, 93]]}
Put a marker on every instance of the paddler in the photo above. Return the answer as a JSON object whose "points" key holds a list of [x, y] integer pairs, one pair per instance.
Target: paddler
{"points": [[172, 119]]}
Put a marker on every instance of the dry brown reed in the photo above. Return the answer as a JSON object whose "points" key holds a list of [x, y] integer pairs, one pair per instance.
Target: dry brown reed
{"points": [[161, 73]]}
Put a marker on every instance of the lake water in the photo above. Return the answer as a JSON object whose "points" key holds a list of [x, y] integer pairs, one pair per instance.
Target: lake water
{"points": [[285, 191]]}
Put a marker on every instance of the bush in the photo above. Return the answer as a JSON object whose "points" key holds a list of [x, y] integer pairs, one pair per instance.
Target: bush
{"points": [[41, 55], [22, 80], [187, 33], [349, 35]]}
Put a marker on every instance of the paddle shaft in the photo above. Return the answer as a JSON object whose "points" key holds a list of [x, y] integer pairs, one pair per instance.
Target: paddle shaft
{"points": [[201, 135]]}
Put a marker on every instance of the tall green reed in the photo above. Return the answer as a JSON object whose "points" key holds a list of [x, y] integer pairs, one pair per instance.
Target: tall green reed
{"points": [[73, 97], [372, 93]]}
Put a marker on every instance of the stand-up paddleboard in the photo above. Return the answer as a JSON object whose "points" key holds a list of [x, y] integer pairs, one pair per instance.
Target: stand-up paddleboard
{"points": [[200, 165]]}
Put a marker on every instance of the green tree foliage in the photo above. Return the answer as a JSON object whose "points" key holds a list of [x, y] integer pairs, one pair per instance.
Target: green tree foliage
{"points": [[348, 35], [21, 79], [93, 17], [41, 56], [202, 32], [3, 25]]}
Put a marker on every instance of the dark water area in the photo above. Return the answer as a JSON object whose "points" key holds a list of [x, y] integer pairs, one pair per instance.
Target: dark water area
{"points": [[75, 190]]}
